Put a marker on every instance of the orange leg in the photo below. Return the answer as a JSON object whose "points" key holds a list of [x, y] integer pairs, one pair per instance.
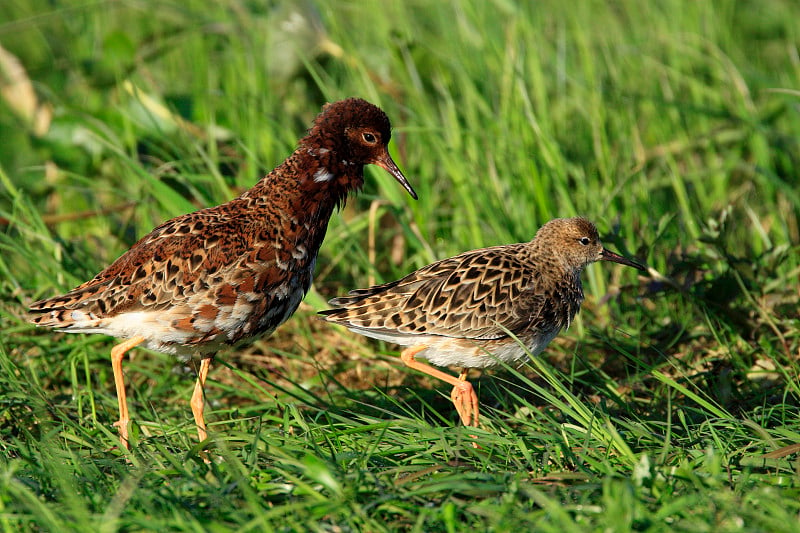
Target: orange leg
{"points": [[470, 402], [198, 401], [117, 355], [463, 395]]}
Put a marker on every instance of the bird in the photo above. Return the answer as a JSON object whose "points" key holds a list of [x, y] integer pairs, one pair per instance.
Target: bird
{"points": [[482, 308], [230, 273]]}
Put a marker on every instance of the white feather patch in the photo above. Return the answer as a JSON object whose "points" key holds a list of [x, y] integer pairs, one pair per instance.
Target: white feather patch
{"points": [[323, 175]]}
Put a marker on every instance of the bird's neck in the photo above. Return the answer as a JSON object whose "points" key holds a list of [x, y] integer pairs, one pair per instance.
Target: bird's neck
{"points": [[546, 255], [304, 190]]}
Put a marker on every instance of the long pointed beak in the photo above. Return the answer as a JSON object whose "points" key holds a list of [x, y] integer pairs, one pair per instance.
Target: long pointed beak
{"points": [[607, 255], [387, 163]]}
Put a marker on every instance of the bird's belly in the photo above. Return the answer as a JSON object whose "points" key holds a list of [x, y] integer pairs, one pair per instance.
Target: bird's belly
{"points": [[257, 314], [203, 326], [444, 351]]}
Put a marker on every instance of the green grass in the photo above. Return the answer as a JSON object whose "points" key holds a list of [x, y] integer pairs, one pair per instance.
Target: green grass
{"points": [[670, 405]]}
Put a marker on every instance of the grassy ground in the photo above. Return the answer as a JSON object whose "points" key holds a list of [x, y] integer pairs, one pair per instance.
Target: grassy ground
{"points": [[670, 405]]}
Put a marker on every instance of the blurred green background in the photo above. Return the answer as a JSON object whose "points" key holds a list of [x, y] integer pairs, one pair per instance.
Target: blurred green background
{"points": [[671, 404]]}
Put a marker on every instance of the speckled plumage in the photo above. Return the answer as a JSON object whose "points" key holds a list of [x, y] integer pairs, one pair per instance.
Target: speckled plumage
{"points": [[459, 311], [232, 272]]}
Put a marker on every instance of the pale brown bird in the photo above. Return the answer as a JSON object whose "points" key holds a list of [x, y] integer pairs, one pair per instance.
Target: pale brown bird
{"points": [[462, 311]]}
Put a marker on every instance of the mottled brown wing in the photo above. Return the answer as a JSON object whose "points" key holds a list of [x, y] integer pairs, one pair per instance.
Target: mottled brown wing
{"points": [[180, 258], [474, 295]]}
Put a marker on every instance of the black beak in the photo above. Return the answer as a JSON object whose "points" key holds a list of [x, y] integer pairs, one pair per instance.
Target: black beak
{"points": [[387, 164], [611, 256]]}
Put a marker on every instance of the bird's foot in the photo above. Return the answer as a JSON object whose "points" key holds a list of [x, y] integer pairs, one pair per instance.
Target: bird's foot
{"points": [[466, 403]]}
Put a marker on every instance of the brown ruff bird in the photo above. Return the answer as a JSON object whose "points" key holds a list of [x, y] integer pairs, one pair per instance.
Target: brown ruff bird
{"points": [[459, 311], [232, 272]]}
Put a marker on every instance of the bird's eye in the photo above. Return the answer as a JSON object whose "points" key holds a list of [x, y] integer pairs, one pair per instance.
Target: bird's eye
{"points": [[584, 241], [369, 138]]}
